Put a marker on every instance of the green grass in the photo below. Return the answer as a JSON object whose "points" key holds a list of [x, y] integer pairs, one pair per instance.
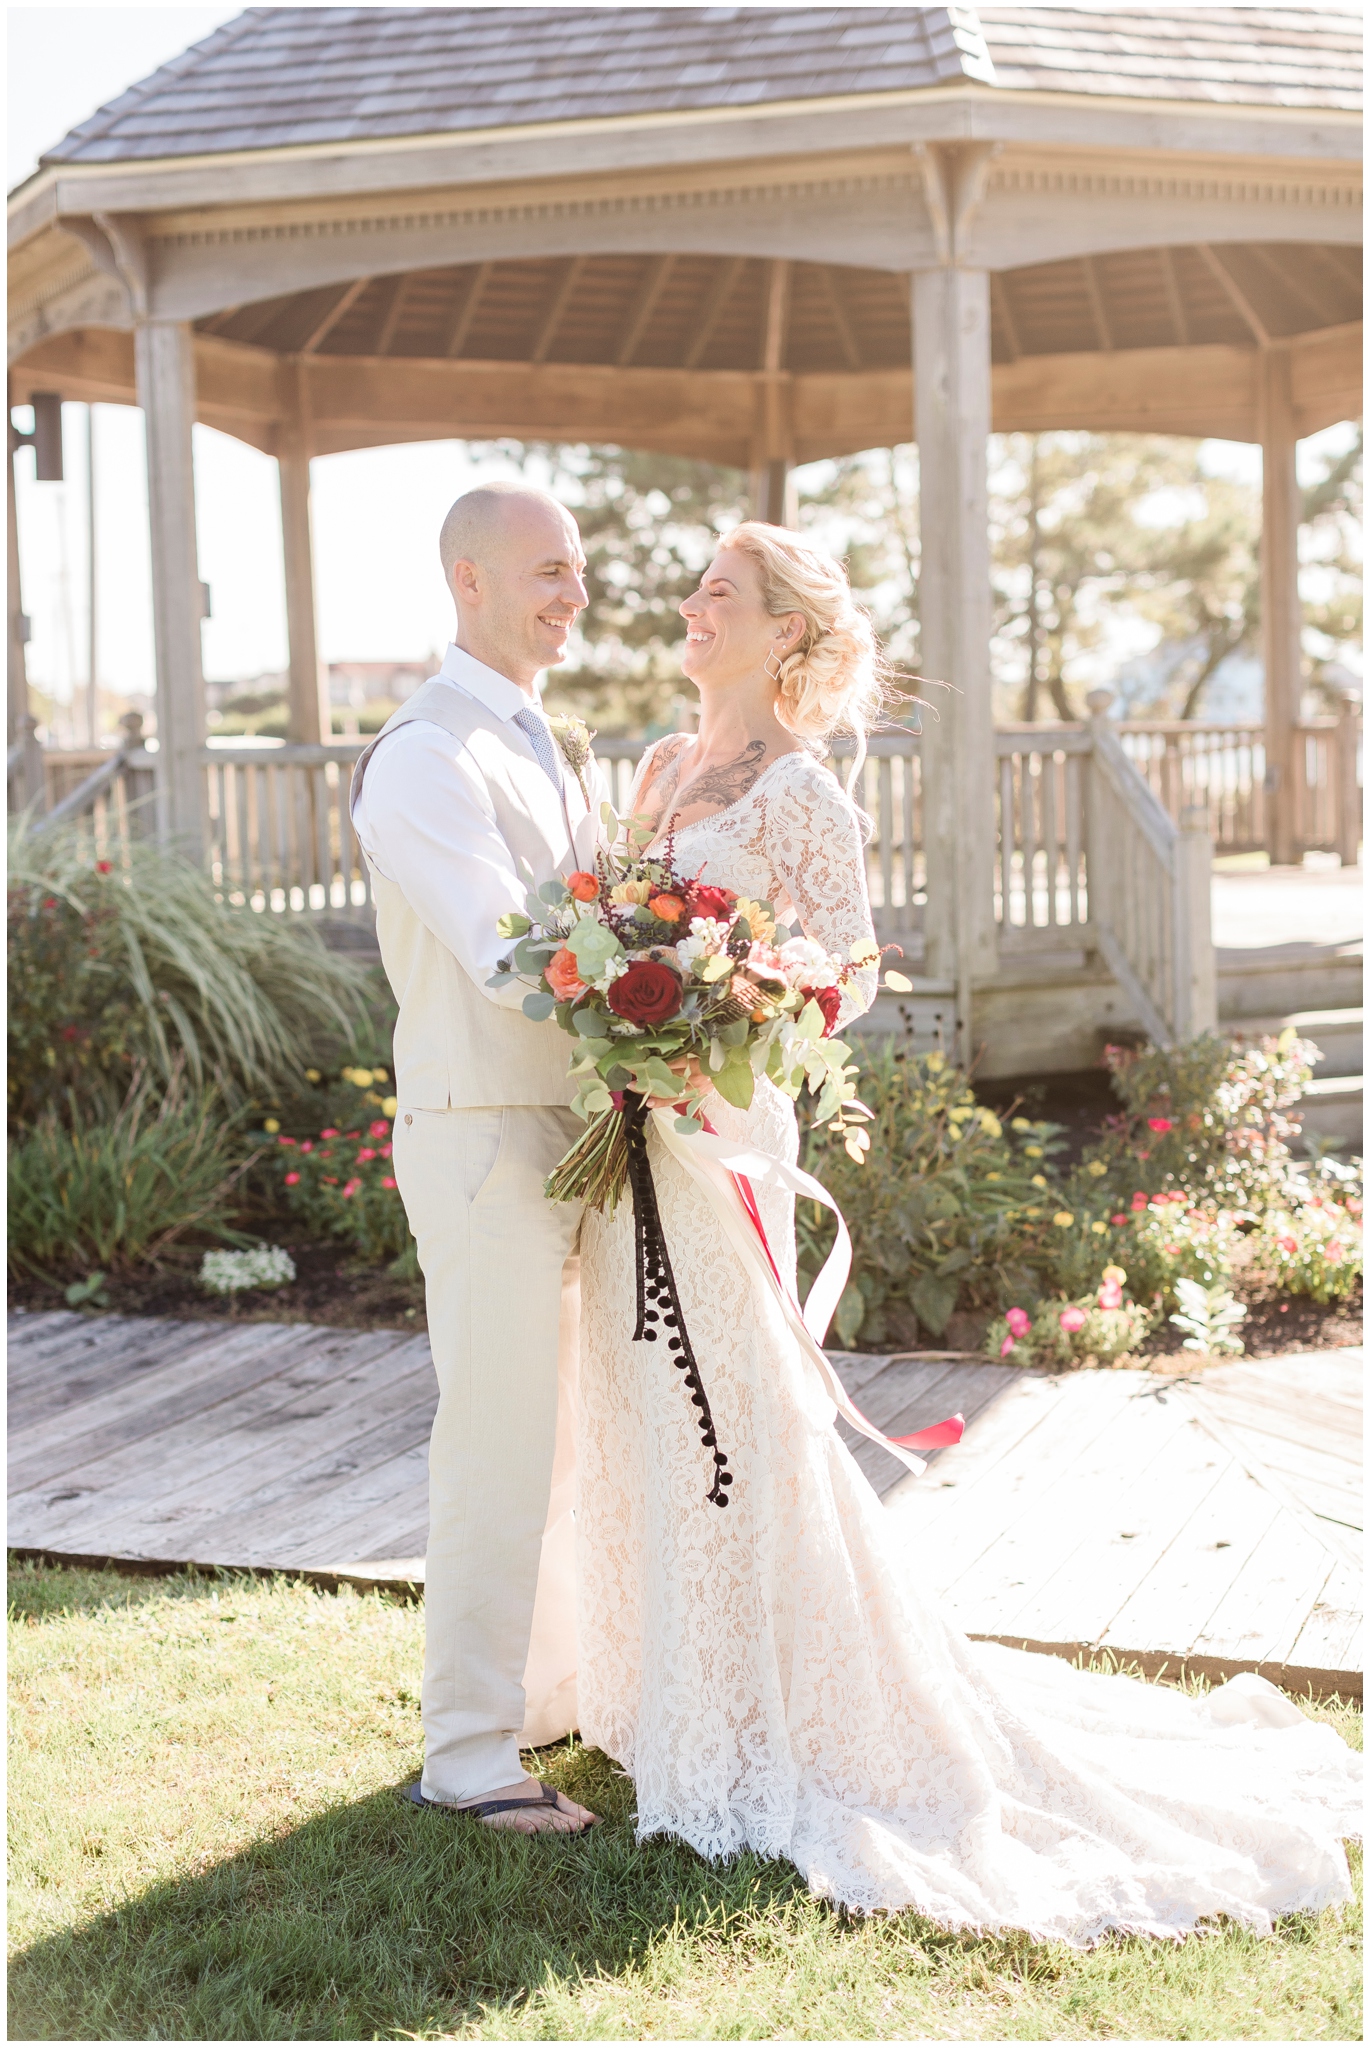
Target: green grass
{"points": [[207, 1845]]}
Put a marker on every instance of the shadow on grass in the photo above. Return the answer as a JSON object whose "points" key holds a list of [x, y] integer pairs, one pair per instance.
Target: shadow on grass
{"points": [[377, 1919]]}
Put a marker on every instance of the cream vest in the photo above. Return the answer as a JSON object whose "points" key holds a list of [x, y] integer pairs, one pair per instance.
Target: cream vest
{"points": [[454, 1048]]}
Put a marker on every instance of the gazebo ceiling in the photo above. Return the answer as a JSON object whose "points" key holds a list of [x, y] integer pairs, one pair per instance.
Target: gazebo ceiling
{"points": [[706, 313]]}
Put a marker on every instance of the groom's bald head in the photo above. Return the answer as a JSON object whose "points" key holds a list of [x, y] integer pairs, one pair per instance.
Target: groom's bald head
{"points": [[512, 559]]}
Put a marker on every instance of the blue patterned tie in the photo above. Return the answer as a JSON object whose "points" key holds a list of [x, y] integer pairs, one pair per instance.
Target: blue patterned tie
{"points": [[544, 746]]}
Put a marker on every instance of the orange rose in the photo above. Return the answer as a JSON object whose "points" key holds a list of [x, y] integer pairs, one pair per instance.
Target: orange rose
{"points": [[563, 977], [670, 909], [585, 888]]}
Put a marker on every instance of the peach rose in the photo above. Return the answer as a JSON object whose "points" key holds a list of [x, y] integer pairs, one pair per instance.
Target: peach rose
{"points": [[563, 977]]}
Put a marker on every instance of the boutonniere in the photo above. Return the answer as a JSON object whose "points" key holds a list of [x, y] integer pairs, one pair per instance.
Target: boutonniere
{"points": [[573, 736]]}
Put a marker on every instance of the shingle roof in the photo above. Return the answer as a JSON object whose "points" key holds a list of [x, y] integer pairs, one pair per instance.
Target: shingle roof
{"points": [[278, 77]]}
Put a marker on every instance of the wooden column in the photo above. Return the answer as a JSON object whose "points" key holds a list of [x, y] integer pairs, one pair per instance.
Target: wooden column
{"points": [[310, 717], [16, 664], [772, 490], [1281, 616], [165, 365], [952, 423]]}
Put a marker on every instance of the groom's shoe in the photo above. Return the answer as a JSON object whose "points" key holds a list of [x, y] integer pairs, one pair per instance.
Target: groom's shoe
{"points": [[543, 1811]]}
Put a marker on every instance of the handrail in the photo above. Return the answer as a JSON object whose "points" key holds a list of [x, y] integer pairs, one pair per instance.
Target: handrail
{"points": [[83, 796]]}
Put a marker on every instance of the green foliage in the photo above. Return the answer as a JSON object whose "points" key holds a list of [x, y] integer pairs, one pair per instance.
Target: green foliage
{"points": [[1314, 1244], [1209, 1316], [1061, 1333], [948, 1210], [1207, 1118], [142, 966], [109, 1194], [340, 1182]]}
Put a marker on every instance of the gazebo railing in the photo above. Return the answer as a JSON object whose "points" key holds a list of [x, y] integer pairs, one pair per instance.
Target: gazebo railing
{"points": [[1222, 769]]}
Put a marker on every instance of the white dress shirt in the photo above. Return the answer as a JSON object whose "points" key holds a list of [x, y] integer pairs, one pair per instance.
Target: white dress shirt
{"points": [[426, 822]]}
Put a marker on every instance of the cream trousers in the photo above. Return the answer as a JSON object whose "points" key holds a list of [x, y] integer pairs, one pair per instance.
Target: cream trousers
{"points": [[502, 1282]]}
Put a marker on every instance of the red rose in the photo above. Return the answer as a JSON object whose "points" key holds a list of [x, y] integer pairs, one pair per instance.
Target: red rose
{"points": [[829, 1001], [706, 901], [647, 992]]}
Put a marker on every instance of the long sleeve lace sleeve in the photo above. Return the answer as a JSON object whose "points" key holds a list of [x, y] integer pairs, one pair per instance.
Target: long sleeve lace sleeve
{"points": [[815, 846]]}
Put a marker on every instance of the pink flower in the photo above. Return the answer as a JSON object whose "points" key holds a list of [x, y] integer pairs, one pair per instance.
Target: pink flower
{"points": [[1006, 1347], [330, 1133], [1110, 1295], [1334, 1253], [1138, 1200], [1019, 1321], [386, 1181], [379, 1129], [386, 1150], [285, 1141], [1287, 1244], [365, 1152], [1172, 1251], [307, 1145], [1159, 1123], [291, 1179], [350, 1190], [1119, 1218], [1072, 1319]]}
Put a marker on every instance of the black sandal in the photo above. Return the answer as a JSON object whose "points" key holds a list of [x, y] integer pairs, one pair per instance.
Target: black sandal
{"points": [[548, 1796]]}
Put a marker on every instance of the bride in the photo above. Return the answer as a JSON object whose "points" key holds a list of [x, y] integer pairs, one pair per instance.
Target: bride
{"points": [[776, 1676]]}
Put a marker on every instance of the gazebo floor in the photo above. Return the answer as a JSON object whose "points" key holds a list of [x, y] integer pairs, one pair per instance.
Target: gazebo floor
{"points": [[1211, 1523]]}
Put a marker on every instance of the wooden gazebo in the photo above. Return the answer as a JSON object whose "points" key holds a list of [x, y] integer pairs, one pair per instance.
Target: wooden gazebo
{"points": [[754, 236]]}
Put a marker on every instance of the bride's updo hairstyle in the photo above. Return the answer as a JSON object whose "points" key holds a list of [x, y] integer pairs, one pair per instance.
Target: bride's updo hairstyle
{"points": [[834, 681]]}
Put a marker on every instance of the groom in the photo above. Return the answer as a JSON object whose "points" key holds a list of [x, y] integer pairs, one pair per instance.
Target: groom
{"points": [[462, 795]]}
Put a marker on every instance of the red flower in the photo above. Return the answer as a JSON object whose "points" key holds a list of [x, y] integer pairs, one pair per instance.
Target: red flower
{"points": [[1119, 1218], [1159, 1123], [104, 867], [285, 1141], [386, 1181], [829, 1001], [379, 1129], [704, 900], [291, 1179], [647, 992], [365, 1152], [330, 1133], [350, 1190]]}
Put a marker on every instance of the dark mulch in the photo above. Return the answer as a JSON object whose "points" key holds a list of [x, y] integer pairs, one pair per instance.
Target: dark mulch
{"points": [[328, 1288]]}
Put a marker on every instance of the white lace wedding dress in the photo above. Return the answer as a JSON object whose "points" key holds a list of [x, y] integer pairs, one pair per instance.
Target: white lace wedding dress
{"points": [[774, 1676]]}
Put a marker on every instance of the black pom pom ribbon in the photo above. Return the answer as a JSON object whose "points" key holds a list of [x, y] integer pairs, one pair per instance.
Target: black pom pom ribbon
{"points": [[657, 1298]]}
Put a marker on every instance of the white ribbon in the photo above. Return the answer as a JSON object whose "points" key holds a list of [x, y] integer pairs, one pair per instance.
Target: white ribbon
{"points": [[710, 1160]]}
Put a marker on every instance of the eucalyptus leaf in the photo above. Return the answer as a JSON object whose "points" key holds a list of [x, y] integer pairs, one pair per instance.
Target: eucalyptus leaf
{"points": [[498, 980], [736, 1083], [539, 1006], [554, 892], [588, 1023]]}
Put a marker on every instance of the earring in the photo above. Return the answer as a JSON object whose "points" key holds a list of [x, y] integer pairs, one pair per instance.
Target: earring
{"points": [[774, 674]]}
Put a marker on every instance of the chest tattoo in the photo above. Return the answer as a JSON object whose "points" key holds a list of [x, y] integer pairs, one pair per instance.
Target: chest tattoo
{"points": [[717, 787]]}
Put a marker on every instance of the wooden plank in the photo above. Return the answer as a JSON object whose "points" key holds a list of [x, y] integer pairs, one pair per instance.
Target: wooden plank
{"points": [[80, 1340], [904, 1399], [397, 1519], [219, 1453], [999, 1584], [57, 1409], [166, 1394], [1121, 1531], [311, 1528], [1265, 1610], [1330, 1639], [312, 1497], [1207, 1551]]}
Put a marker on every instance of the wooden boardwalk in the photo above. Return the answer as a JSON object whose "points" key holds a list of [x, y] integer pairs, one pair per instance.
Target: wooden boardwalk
{"points": [[1213, 1521]]}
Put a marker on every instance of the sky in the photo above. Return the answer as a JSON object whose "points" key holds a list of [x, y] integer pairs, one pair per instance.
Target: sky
{"points": [[380, 590]]}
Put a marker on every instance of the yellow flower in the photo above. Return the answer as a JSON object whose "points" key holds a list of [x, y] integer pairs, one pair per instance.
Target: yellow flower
{"points": [[1115, 1273], [1097, 1168], [271, 1125], [1063, 1219], [1032, 1151], [631, 892], [961, 1111], [360, 1077], [994, 1176], [1032, 1212], [1098, 1228], [760, 923], [991, 1126], [390, 1104], [1020, 1123], [935, 1062], [379, 1074], [1039, 1180], [312, 1074]]}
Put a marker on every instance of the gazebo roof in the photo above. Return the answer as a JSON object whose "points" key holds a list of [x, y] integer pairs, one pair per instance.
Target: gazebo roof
{"points": [[287, 77]]}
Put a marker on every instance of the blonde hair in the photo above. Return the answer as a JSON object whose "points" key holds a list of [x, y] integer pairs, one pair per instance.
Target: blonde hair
{"points": [[834, 681]]}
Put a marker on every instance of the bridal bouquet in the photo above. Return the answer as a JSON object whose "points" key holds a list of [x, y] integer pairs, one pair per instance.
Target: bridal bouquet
{"points": [[660, 977]]}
